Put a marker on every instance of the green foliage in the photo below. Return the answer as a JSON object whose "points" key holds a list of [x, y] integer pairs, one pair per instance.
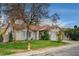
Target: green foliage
{"points": [[75, 27], [10, 37], [59, 40], [45, 36], [6, 51], [23, 44], [73, 34], [19, 46], [1, 38]]}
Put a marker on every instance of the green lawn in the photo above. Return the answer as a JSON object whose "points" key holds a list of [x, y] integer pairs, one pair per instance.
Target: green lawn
{"points": [[19, 46]]}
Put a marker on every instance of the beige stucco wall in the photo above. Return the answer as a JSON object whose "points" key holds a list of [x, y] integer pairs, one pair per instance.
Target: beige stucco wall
{"points": [[32, 35], [53, 35], [20, 35], [5, 38], [6, 34]]}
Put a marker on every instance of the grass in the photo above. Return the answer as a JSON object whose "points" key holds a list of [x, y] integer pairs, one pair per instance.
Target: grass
{"points": [[18, 46]]}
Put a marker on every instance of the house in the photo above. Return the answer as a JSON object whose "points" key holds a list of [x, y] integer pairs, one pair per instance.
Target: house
{"points": [[19, 31]]}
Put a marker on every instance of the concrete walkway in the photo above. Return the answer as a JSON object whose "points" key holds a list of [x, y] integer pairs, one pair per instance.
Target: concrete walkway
{"points": [[46, 51]]}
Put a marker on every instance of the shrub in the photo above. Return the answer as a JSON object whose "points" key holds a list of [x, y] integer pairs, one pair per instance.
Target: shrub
{"points": [[10, 37], [45, 36], [73, 34], [1, 38]]}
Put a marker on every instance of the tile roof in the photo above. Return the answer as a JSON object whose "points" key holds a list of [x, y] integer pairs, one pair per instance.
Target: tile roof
{"points": [[19, 26], [37, 27], [31, 27]]}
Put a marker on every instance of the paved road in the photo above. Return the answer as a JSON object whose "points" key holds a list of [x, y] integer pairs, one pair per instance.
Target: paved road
{"points": [[73, 51]]}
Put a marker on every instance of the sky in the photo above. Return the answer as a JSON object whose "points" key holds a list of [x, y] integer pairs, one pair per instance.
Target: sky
{"points": [[68, 13]]}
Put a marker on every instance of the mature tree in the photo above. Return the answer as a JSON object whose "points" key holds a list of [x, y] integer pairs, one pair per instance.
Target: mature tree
{"points": [[37, 11], [55, 17], [20, 11], [2, 12], [14, 12]]}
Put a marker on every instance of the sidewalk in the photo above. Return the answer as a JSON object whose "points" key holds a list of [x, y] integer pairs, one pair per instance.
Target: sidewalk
{"points": [[46, 50]]}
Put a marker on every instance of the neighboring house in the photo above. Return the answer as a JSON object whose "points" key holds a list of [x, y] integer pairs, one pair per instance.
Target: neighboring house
{"points": [[19, 31]]}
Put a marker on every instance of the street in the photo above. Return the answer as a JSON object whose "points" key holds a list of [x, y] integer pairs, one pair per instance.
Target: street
{"points": [[73, 51]]}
